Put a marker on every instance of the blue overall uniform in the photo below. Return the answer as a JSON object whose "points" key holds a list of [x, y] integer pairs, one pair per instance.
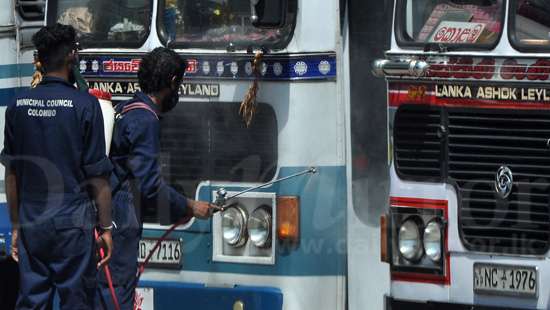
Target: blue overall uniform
{"points": [[54, 141], [137, 184]]}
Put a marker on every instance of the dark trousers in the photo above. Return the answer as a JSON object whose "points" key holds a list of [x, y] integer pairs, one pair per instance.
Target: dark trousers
{"points": [[125, 294], [56, 256]]}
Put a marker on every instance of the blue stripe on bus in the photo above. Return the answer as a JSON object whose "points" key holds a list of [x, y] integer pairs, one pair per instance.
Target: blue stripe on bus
{"points": [[5, 226], [16, 70], [6, 94], [171, 295], [323, 246]]}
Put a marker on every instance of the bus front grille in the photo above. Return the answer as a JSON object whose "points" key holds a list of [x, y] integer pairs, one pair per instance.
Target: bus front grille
{"points": [[417, 142], [477, 144], [482, 142]]}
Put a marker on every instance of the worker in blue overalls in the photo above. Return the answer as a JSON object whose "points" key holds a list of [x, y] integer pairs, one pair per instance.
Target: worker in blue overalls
{"points": [[56, 168], [137, 182]]}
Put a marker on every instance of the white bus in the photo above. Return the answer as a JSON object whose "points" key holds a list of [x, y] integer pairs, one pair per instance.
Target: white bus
{"points": [[18, 21], [320, 250], [469, 220]]}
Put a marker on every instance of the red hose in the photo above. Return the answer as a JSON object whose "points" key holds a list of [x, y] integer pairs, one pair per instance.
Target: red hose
{"points": [[108, 276], [142, 266], [167, 233]]}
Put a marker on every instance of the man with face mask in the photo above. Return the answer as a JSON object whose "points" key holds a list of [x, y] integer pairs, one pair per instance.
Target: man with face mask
{"points": [[137, 182], [56, 168]]}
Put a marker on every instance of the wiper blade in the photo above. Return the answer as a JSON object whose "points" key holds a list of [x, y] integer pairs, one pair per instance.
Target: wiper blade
{"points": [[436, 47]]}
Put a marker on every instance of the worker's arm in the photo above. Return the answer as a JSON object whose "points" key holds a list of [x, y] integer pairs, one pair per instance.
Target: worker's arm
{"points": [[144, 137], [100, 190], [97, 170]]}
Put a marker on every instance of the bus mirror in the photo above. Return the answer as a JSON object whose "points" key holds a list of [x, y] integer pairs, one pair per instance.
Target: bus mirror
{"points": [[268, 13]]}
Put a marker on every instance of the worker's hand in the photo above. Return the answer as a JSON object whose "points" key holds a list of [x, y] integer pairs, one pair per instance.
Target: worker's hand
{"points": [[201, 209], [14, 250], [105, 245]]}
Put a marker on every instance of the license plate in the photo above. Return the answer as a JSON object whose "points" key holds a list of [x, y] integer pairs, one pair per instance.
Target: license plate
{"points": [[167, 255], [508, 280]]}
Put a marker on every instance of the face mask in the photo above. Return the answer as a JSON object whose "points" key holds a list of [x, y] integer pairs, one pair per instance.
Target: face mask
{"points": [[170, 102], [72, 76], [74, 72]]}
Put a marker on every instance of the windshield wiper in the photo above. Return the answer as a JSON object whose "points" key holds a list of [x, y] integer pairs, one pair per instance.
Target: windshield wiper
{"points": [[230, 48], [436, 47]]}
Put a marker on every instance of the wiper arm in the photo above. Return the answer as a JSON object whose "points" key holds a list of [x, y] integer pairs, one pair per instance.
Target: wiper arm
{"points": [[230, 48], [436, 47]]}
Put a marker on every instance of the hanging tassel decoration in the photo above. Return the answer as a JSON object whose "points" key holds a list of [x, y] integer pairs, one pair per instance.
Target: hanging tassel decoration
{"points": [[38, 73], [248, 105]]}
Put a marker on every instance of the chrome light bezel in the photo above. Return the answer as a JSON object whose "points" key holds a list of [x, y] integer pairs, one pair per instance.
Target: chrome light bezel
{"points": [[416, 223], [262, 213], [439, 233], [242, 236]]}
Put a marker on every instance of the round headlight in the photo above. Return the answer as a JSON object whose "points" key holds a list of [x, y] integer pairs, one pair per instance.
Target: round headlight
{"points": [[259, 227], [432, 240], [410, 245], [234, 226]]}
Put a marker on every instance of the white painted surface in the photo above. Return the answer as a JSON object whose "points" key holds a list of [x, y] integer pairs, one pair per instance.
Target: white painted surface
{"points": [[145, 299], [368, 279], [6, 13], [310, 34]]}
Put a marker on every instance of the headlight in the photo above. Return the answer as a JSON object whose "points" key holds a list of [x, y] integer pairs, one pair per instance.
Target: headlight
{"points": [[432, 241], [234, 226], [410, 245], [259, 227]]}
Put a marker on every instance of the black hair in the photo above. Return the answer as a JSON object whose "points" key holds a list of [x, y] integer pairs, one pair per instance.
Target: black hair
{"points": [[54, 44], [158, 68]]}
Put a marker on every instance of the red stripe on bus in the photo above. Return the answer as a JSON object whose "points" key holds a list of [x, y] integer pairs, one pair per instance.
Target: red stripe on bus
{"points": [[398, 99]]}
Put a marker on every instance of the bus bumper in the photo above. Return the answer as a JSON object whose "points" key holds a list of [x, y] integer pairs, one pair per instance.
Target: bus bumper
{"points": [[396, 304], [172, 295]]}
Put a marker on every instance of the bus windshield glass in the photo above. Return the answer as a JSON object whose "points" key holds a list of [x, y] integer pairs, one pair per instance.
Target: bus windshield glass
{"points": [[450, 22], [100, 23], [219, 24], [532, 23]]}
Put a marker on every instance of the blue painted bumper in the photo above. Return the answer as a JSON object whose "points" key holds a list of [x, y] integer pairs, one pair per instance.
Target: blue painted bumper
{"points": [[5, 231], [172, 295]]}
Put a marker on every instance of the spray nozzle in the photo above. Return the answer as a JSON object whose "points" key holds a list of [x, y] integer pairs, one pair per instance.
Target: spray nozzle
{"points": [[221, 193]]}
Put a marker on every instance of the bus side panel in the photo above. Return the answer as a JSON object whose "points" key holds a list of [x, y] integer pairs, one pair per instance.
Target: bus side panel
{"points": [[368, 278], [9, 82]]}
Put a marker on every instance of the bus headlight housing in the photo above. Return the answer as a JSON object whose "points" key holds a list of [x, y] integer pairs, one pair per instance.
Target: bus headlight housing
{"points": [[234, 221], [260, 227], [432, 240], [409, 240], [417, 244]]}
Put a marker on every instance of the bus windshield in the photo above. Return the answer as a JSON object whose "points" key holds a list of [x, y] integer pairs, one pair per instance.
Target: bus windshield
{"points": [[532, 23], [451, 22], [109, 23], [218, 24]]}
